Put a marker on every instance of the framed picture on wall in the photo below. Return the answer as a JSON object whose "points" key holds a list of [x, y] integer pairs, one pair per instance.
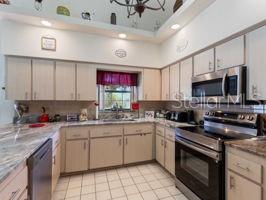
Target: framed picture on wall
{"points": [[48, 43]]}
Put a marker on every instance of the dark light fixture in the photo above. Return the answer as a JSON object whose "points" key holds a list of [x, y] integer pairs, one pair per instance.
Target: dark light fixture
{"points": [[139, 6]]}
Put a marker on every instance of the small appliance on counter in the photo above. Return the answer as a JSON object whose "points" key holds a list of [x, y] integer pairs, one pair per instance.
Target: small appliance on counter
{"points": [[180, 116], [83, 115], [44, 117], [72, 118], [149, 114]]}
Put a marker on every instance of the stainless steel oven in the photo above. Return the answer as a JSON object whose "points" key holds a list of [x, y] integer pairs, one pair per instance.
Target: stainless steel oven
{"points": [[223, 86], [200, 169]]}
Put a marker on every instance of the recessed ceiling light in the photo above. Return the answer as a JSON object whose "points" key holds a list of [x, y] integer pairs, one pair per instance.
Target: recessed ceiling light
{"points": [[175, 26], [46, 23], [122, 35]]}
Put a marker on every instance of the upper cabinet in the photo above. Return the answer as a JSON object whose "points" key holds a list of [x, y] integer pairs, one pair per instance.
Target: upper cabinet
{"points": [[174, 82], [230, 54], [256, 62], [204, 62], [86, 82], [165, 83], [151, 85], [42, 79], [185, 79], [18, 83], [65, 76]]}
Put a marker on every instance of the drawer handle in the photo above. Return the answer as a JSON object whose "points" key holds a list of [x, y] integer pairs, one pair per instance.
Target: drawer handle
{"points": [[76, 135], [243, 168], [162, 142], [120, 142], [232, 182], [165, 144], [85, 146], [139, 131], [106, 133], [14, 194]]}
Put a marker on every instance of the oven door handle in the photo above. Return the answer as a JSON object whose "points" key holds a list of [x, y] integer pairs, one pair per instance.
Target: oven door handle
{"points": [[212, 154], [224, 85]]}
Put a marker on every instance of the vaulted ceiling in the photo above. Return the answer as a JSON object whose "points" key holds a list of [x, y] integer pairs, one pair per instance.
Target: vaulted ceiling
{"points": [[101, 11]]}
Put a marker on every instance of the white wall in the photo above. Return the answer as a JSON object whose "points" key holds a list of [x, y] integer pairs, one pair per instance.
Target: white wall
{"points": [[220, 20], [25, 40]]}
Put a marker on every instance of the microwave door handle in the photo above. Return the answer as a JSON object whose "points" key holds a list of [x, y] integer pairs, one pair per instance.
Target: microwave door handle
{"points": [[223, 85]]}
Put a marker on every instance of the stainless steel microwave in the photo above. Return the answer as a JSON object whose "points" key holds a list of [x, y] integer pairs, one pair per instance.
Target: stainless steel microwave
{"points": [[223, 86]]}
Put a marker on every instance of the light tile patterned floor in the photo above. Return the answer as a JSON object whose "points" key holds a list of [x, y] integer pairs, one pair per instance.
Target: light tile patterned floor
{"points": [[142, 182]]}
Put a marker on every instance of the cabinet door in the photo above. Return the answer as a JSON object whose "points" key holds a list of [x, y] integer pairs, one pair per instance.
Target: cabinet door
{"points": [[160, 149], [86, 82], [204, 62], [106, 152], [170, 156], [42, 80], [151, 85], [239, 188], [185, 79], [77, 155], [137, 148], [174, 82], [18, 78], [230, 54], [165, 83], [256, 62], [65, 74], [56, 166]]}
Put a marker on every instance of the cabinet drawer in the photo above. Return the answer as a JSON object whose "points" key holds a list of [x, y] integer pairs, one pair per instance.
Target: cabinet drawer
{"points": [[160, 131], [105, 131], [138, 128], [170, 134], [77, 133], [245, 167], [16, 187]]}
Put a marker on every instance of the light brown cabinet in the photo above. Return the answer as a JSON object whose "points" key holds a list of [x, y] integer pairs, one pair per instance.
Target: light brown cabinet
{"points": [[204, 62], [137, 148], [77, 155], [186, 79], [160, 149], [18, 75], [174, 82], [106, 152], [165, 84], [151, 85], [42, 79], [230, 54], [65, 81], [56, 165]]}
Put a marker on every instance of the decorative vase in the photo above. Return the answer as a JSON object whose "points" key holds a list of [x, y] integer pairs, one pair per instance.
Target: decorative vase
{"points": [[113, 18], [177, 5]]}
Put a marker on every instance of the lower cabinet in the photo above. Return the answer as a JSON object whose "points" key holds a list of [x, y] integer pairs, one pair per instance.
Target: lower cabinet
{"points": [[169, 163], [77, 155], [239, 188], [56, 166], [160, 149], [137, 148], [106, 152]]}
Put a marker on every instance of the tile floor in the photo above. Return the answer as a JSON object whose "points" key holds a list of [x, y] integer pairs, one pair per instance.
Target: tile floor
{"points": [[142, 182]]}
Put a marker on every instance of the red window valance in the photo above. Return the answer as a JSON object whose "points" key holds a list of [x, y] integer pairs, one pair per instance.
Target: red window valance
{"points": [[117, 78]]}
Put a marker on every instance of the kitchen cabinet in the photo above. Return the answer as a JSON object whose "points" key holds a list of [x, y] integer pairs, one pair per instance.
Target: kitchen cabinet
{"points": [[151, 85], [24, 196], [86, 82], [76, 149], [106, 152], [185, 79], [56, 159], [77, 155], [174, 82], [138, 148], [230, 54], [18, 78], [65, 78], [160, 149], [42, 79], [169, 145], [256, 60], [204, 62], [165, 84], [15, 185], [244, 175]]}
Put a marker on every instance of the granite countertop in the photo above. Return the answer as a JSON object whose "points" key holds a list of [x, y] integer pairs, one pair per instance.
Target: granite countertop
{"points": [[256, 146], [18, 143]]}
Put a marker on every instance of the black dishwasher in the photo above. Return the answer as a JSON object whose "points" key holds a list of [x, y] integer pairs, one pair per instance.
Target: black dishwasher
{"points": [[40, 173]]}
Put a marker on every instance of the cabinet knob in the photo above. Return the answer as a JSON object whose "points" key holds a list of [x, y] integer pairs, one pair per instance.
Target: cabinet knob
{"points": [[232, 182], [162, 142], [254, 91], [85, 146], [120, 142], [210, 65], [218, 63]]}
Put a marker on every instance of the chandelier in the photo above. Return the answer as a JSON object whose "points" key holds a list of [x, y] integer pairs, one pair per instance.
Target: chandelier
{"points": [[139, 6]]}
